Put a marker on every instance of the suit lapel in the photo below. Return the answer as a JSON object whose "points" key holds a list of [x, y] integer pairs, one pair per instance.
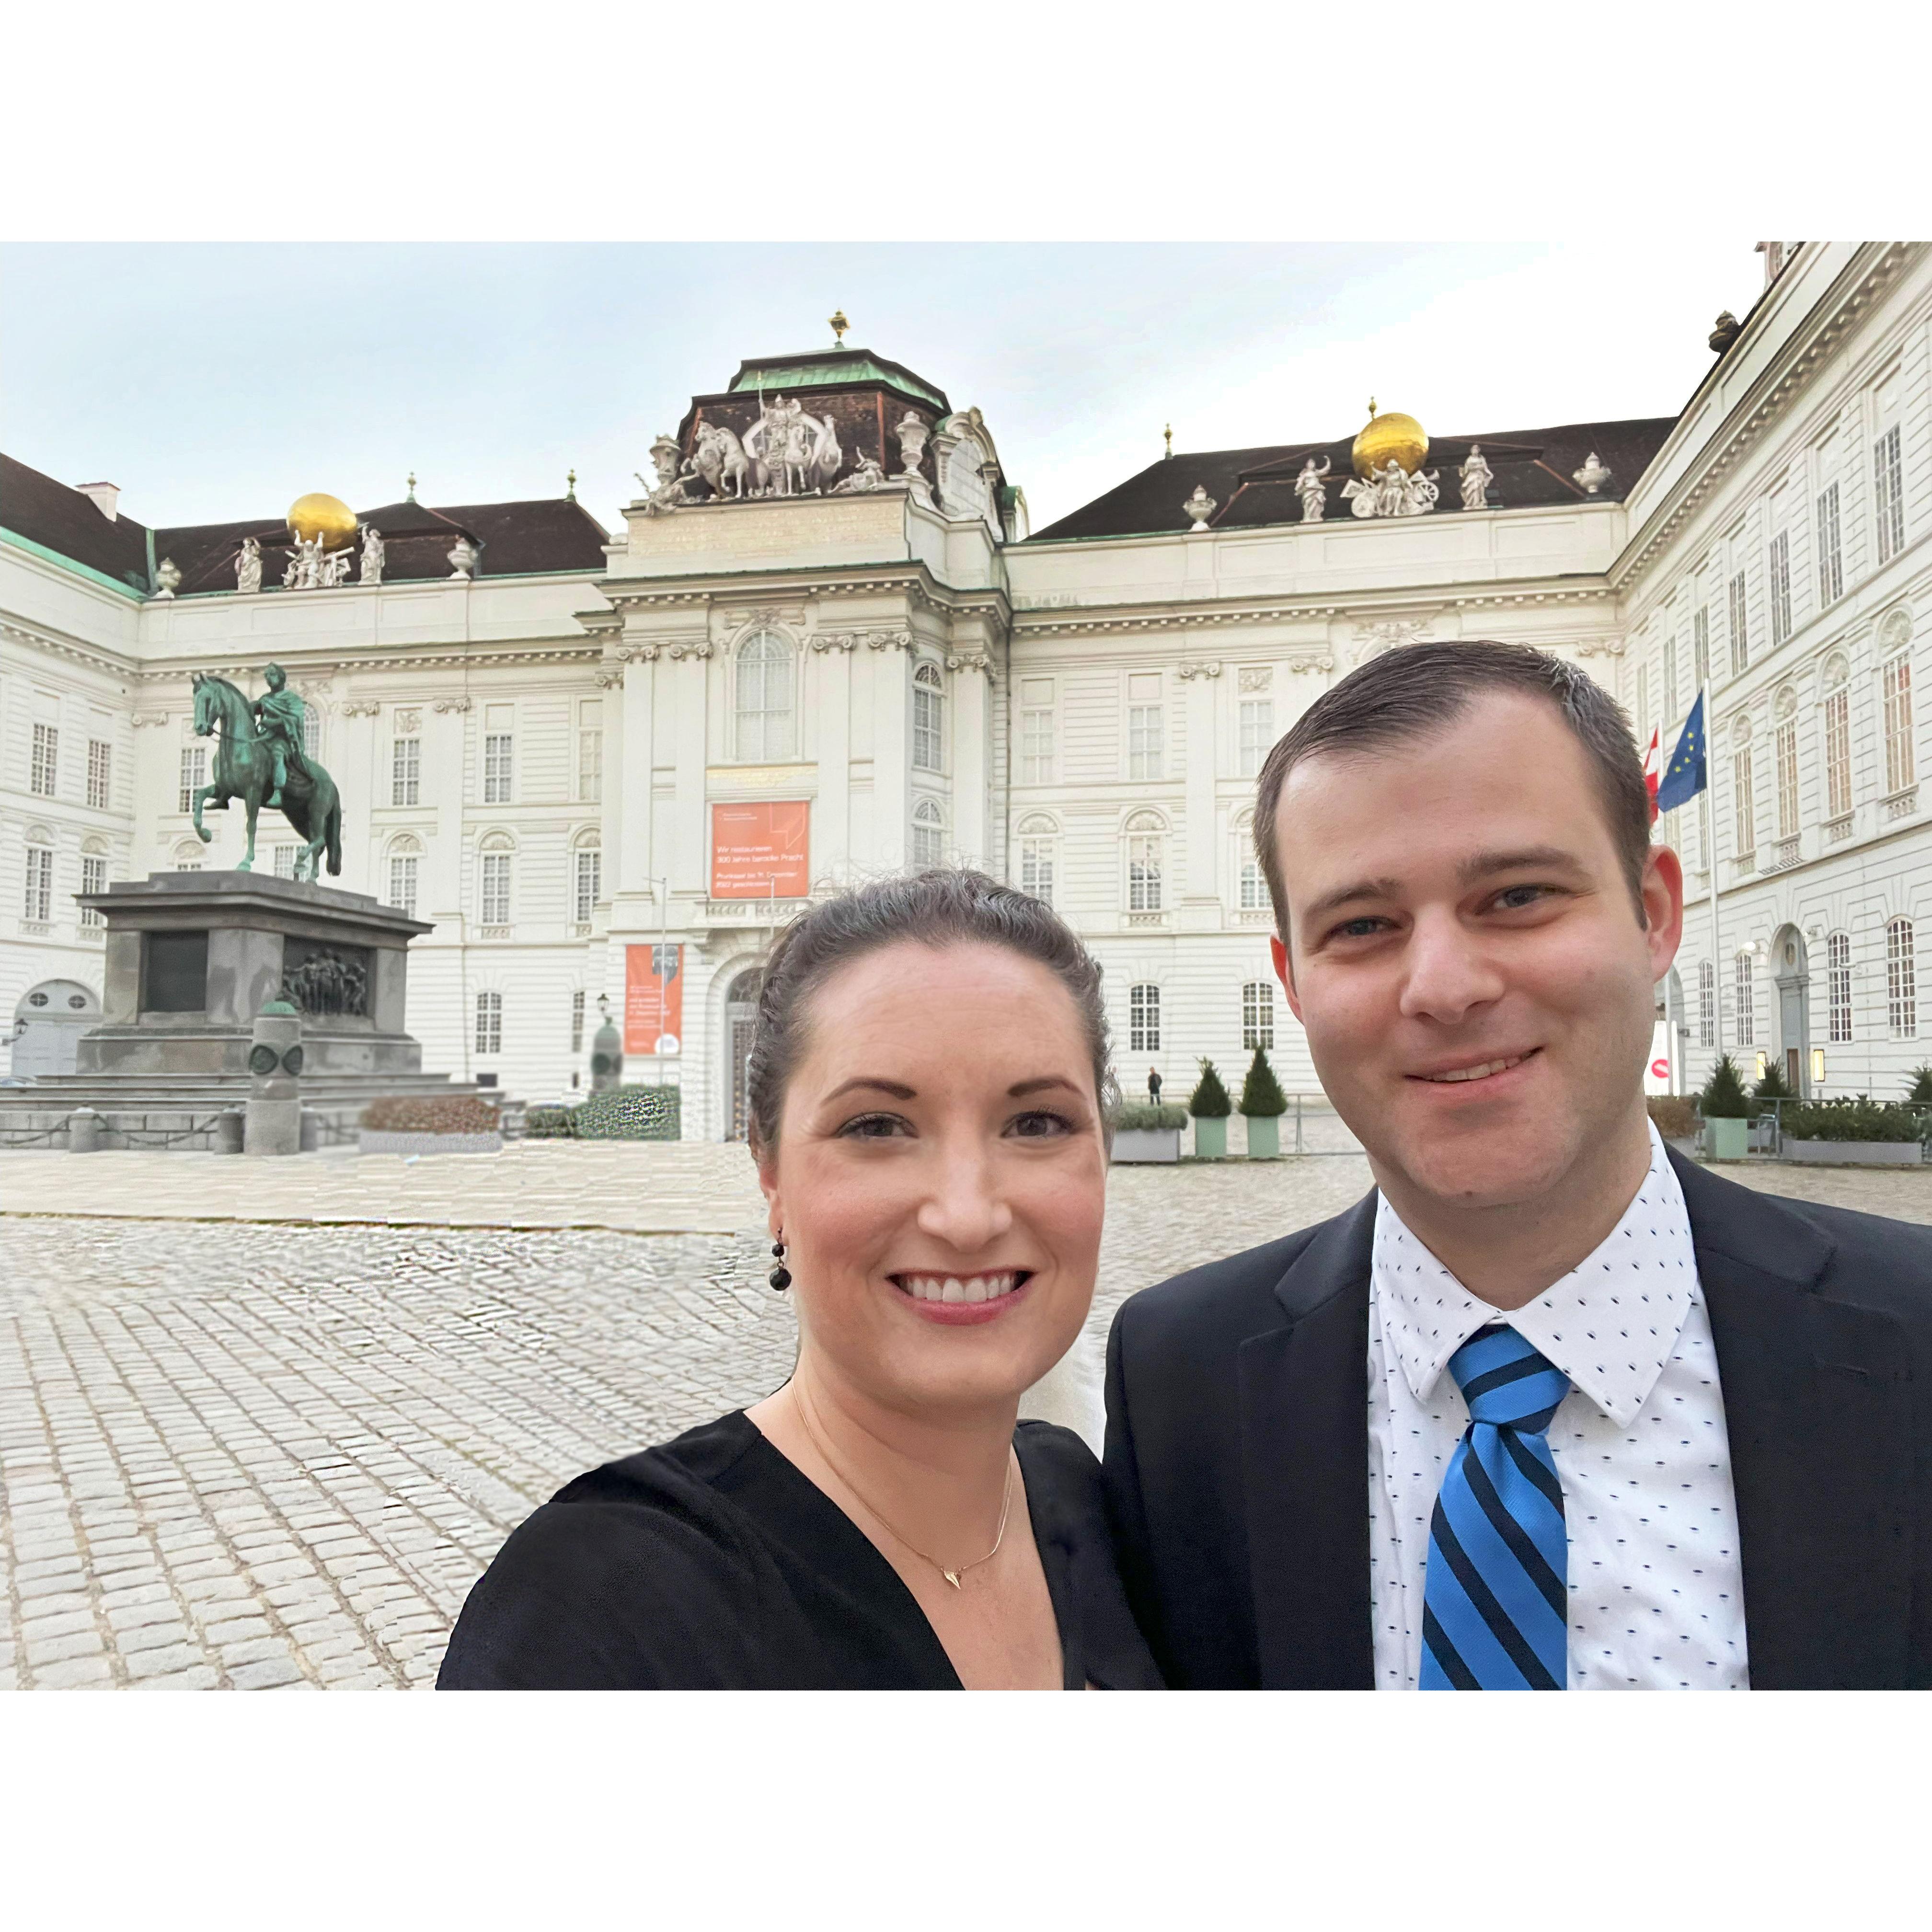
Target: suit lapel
{"points": [[1820, 1444], [1305, 1467]]}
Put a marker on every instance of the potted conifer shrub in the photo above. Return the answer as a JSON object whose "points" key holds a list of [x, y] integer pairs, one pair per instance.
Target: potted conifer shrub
{"points": [[1210, 1107], [1263, 1103], [1726, 1110], [1772, 1089]]}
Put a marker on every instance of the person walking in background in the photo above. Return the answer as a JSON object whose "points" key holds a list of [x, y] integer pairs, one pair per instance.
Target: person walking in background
{"points": [[1153, 1084], [1627, 1424]]}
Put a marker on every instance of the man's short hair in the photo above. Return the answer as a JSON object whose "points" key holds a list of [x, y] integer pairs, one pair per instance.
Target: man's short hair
{"points": [[1415, 690]]}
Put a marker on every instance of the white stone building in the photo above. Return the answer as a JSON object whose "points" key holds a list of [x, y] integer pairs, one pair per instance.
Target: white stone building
{"points": [[825, 646]]}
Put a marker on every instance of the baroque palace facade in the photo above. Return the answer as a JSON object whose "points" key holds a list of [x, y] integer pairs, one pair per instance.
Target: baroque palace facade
{"points": [[824, 646]]}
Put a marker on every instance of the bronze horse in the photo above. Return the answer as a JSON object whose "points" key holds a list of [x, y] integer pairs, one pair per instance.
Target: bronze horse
{"points": [[244, 768]]}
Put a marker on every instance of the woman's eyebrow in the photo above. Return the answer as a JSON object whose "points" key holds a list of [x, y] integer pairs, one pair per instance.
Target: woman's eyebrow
{"points": [[891, 1087], [1021, 1088]]}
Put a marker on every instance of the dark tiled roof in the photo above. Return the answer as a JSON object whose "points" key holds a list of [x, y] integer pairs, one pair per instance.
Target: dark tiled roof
{"points": [[1256, 487], [63, 521]]}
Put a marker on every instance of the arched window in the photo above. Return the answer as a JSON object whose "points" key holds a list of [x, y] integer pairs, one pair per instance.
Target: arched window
{"points": [[764, 698], [928, 718], [1144, 1019], [929, 835], [188, 855], [1837, 708], [405, 872], [311, 730], [489, 1022], [1707, 1003], [1258, 1016], [1895, 691], [1901, 981], [1039, 850], [1146, 840], [1838, 984], [1784, 758], [1746, 967], [38, 908], [93, 876], [1251, 893], [588, 861], [493, 878], [1743, 810]]}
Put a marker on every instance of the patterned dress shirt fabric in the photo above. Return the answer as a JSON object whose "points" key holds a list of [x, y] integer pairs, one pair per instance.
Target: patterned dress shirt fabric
{"points": [[1656, 1586]]}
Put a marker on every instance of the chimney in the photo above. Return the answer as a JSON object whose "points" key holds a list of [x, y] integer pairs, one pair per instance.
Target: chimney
{"points": [[104, 496]]}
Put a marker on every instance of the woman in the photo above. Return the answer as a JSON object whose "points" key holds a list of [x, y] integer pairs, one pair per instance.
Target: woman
{"points": [[927, 1113]]}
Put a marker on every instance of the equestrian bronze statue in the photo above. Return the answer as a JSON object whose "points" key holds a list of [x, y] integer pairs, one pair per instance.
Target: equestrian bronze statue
{"points": [[259, 759]]}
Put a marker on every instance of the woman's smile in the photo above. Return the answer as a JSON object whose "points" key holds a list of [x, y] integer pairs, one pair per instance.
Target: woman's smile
{"points": [[957, 1299]]}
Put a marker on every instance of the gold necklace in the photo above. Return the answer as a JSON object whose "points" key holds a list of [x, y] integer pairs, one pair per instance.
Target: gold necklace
{"points": [[953, 1576]]}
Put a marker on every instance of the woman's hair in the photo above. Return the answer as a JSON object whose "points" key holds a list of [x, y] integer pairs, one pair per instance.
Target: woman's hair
{"points": [[942, 908]]}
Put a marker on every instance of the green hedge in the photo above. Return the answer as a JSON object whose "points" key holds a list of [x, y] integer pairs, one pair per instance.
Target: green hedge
{"points": [[547, 1124], [1141, 1117], [1852, 1120], [617, 1114]]}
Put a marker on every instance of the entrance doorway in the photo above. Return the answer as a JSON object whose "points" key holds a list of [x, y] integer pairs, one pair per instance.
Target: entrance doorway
{"points": [[1791, 972], [48, 1024], [741, 1015]]}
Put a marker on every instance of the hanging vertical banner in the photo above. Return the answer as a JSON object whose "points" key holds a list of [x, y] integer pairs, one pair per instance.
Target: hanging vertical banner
{"points": [[758, 850], [653, 999]]}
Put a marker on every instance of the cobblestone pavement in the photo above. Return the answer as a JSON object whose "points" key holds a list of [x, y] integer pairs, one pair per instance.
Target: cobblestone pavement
{"points": [[260, 1455]]}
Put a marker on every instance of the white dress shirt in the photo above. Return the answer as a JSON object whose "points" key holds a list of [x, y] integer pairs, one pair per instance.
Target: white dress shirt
{"points": [[1656, 1587]]}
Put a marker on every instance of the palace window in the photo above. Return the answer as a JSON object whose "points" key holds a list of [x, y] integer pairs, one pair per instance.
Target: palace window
{"points": [[765, 715], [1784, 759], [1831, 556], [1740, 636], [406, 771], [93, 879], [1746, 988], [1146, 836], [99, 773], [1901, 981], [929, 835], [38, 906], [498, 749], [489, 1022], [1838, 985], [590, 750], [1257, 733], [1743, 815], [1669, 679], [589, 883], [194, 774], [311, 734], [1144, 1019], [1707, 1003], [1895, 685], [928, 718], [1700, 645], [1258, 1016], [1777, 578], [1038, 841], [1889, 495], [495, 910], [1147, 734], [285, 861], [47, 758], [1037, 745], [1837, 740], [577, 1021], [402, 882], [1643, 703]]}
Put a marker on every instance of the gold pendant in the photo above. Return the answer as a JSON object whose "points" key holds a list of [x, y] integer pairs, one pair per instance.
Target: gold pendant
{"points": [[952, 1576]]}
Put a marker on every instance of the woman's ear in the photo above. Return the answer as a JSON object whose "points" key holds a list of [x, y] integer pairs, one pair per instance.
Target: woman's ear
{"points": [[768, 1186]]}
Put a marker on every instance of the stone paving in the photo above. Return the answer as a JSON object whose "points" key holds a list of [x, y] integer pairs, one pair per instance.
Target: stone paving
{"points": [[258, 1455]]}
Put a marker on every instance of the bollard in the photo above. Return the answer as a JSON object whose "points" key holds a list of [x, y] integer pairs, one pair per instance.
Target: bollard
{"points": [[83, 1131], [228, 1131], [274, 1121]]}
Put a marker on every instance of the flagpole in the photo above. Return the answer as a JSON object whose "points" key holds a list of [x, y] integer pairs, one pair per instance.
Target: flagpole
{"points": [[1711, 865]]}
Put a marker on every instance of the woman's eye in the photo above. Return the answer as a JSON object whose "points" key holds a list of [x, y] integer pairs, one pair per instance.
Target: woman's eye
{"points": [[1041, 1124], [874, 1127]]}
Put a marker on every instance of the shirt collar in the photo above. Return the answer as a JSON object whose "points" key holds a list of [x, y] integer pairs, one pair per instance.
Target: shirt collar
{"points": [[1610, 1324]]}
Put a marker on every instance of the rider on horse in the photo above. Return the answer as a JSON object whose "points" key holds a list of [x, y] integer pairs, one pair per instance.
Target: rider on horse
{"points": [[279, 713]]}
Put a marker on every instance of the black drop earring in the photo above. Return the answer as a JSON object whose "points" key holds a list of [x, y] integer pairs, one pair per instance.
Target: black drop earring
{"points": [[780, 1275]]}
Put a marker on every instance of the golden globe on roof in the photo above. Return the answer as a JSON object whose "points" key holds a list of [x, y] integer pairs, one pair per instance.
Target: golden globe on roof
{"points": [[328, 517], [1393, 435]]}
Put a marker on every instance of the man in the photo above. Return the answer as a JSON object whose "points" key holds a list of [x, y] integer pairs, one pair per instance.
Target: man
{"points": [[278, 713], [1153, 1085], [1551, 1408]]}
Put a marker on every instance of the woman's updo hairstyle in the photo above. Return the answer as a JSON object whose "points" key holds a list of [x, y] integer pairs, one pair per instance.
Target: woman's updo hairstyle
{"points": [[941, 907]]}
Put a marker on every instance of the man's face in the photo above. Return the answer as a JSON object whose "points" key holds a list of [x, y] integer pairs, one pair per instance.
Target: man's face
{"points": [[1465, 954]]}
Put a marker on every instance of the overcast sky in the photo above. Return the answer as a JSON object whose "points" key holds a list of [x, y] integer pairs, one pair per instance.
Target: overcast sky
{"points": [[221, 381]]}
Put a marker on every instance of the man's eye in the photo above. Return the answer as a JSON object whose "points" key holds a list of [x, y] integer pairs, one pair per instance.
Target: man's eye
{"points": [[874, 1127], [1514, 898], [1358, 928]]}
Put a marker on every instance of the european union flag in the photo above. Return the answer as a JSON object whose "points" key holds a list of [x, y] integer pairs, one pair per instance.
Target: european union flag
{"points": [[1687, 772]]}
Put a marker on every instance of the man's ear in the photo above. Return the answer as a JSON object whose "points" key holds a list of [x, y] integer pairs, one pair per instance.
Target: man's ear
{"points": [[1284, 971]]}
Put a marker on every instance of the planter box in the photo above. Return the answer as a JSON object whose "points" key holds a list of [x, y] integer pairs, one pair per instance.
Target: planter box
{"points": [[375, 1140], [1264, 1133], [1144, 1144], [1854, 1153], [1726, 1140], [1210, 1138]]}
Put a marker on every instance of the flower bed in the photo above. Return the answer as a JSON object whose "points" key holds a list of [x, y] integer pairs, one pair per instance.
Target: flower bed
{"points": [[413, 1124]]}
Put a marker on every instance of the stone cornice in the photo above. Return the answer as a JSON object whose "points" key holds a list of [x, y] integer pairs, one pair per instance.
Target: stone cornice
{"points": [[58, 643], [1771, 397], [430, 657], [793, 585], [1028, 624]]}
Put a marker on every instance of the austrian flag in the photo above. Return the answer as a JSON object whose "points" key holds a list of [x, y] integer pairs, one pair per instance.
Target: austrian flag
{"points": [[1651, 774]]}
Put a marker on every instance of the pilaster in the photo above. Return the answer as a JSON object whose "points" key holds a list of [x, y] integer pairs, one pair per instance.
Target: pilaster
{"points": [[1200, 905], [830, 710]]}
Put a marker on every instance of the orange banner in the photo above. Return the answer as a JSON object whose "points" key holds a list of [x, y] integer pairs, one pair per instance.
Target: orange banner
{"points": [[758, 851], [653, 999]]}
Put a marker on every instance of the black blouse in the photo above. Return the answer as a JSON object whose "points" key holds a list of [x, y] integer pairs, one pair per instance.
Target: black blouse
{"points": [[714, 1563]]}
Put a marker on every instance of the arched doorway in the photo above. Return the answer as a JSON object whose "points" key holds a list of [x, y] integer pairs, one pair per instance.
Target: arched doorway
{"points": [[741, 1014], [48, 1024], [1791, 974]]}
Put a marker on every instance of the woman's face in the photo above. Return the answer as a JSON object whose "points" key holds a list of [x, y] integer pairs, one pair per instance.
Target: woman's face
{"points": [[940, 1176]]}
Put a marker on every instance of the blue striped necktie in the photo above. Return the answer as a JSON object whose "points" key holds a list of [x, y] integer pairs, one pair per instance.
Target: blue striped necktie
{"points": [[1494, 1609]]}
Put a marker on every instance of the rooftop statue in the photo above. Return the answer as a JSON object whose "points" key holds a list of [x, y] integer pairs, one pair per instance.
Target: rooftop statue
{"points": [[1476, 475], [374, 552], [259, 759], [248, 566], [1312, 488]]}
